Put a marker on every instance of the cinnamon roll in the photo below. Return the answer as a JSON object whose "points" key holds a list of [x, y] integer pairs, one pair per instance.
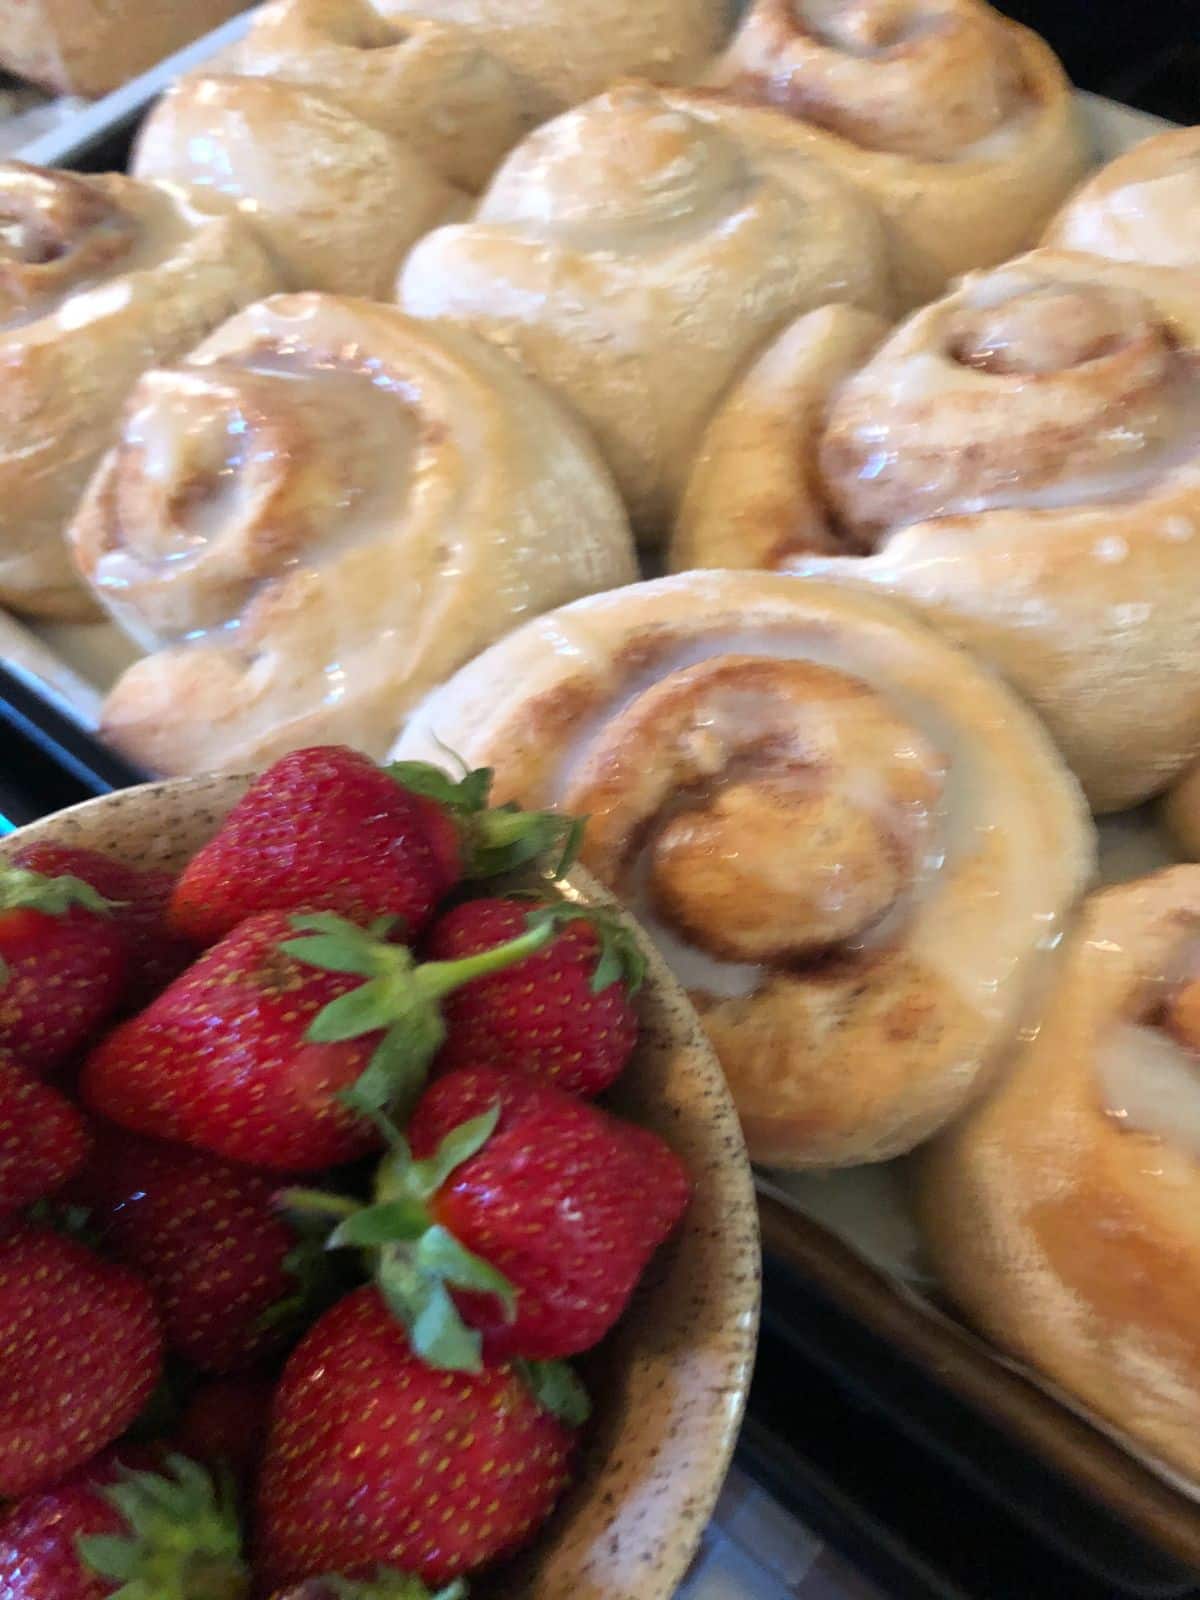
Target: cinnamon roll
{"points": [[958, 124], [89, 47], [338, 202], [851, 842], [632, 254], [1021, 461], [1062, 1211], [99, 278], [1144, 206], [433, 85], [567, 50], [320, 514]]}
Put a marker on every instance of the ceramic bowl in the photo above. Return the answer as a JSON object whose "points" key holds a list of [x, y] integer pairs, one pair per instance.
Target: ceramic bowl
{"points": [[670, 1385]]}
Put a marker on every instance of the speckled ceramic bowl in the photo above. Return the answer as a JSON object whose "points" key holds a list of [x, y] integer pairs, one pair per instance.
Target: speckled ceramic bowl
{"points": [[670, 1385]]}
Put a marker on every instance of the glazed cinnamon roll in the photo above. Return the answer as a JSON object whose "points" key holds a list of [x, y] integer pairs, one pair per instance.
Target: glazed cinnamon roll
{"points": [[433, 85], [1021, 461], [1144, 206], [851, 842], [320, 514], [89, 47], [337, 202], [958, 124], [1062, 1211], [566, 50], [632, 254], [99, 278]]}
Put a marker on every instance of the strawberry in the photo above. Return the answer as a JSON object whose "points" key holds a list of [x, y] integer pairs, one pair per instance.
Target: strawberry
{"points": [[564, 1014], [375, 1459], [43, 1138], [224, 1425], [140, 900], [80, 1351], [128, 1523], [229, 1275], [538, 1210], [384, 1584], [276, 1051], [62, 965], [325, 829]]}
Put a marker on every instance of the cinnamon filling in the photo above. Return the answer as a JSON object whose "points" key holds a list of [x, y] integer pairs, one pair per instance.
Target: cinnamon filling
{"points": [[58, 231], [1020, 394], [784, 819], [930, 79]]}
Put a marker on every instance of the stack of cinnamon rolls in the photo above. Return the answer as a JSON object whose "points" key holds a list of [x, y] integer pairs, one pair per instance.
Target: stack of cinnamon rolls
{"points": [[422, 327]]}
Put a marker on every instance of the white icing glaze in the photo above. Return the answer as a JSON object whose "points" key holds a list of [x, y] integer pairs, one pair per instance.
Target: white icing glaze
{"points": [[1151, 1084]]}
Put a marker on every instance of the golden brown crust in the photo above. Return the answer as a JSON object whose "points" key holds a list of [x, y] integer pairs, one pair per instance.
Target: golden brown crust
{"points": [[958, 124], [633, 253], [771, 769], [432, 85], [1019, 461], [1144, 206], [1069, 1236], [99, 277], [317, 516], [566, 50], [338, 202], [89, 47]]}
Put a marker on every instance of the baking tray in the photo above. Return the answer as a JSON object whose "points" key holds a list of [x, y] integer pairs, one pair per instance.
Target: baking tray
{"points": [[847, 1236]]}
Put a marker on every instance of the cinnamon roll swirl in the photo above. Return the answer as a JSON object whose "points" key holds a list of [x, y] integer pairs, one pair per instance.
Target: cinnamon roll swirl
{"points": [[320, 514], [1062, 1211], [337, 202], [633, 254], [851, 842], [100, 277], [1021, 461], [958, 124], [433, 85]]}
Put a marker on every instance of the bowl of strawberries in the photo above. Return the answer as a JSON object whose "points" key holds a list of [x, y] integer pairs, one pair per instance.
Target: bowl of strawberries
{"points": [[374, 1217]]}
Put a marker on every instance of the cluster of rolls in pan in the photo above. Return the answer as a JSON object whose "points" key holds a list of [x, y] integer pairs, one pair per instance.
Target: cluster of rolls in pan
{"points": [[822, 312]]}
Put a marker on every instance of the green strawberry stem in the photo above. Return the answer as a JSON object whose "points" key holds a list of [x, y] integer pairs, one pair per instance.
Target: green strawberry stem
{"points": [[183, 1540], [492, 839], [398, 999]]}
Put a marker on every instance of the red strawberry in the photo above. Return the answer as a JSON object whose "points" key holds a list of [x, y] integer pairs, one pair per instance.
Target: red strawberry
{"points": [[43, 1139], [373, 1458], [79, 1356], [253, 1052], [63, 965], [227, 1272], [327, 830], [538, 1210], [156, 954], [128, 1516], [563, 1014], [224, 1425]]}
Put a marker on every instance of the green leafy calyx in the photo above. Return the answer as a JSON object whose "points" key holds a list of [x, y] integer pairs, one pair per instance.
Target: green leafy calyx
{"points": [[558, 1389], [385, 1585], [20, 889], [398, 999], [494, 839], [183, 1541], [416, 1261], [621, 961]]}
